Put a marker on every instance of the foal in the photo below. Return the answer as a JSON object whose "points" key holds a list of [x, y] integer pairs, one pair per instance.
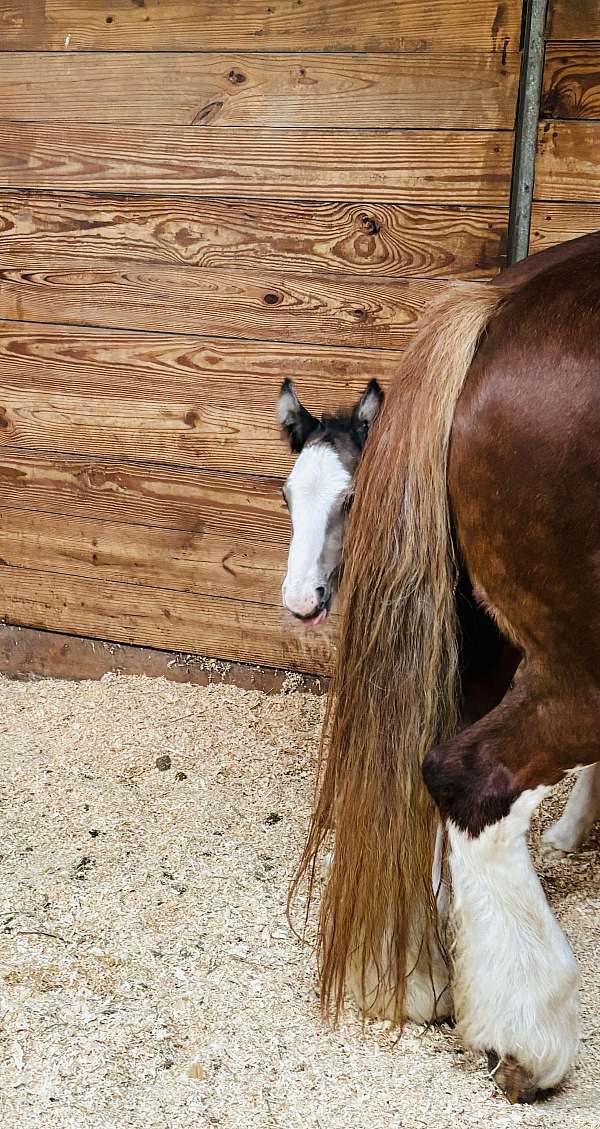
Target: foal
{"points": [[318, 493]]}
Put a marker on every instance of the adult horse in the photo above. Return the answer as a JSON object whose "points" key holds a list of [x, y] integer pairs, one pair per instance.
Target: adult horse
{"points": [[486, 458]]}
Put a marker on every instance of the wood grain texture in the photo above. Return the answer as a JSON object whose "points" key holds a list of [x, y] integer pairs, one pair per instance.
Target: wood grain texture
{"points": [[227, 629], [474, 90], [171, 432], [568, 161], [27, 652], [202, 25], [573, 19], [135, 554], [234, 506], [571, 81], [370, 313], [306, 238], [175, 400], [552, 224], [146, 366], [407, 166]]}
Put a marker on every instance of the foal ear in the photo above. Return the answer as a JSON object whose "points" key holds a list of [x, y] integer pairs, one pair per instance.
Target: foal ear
{"points": [[365, 411], [296, 422]]}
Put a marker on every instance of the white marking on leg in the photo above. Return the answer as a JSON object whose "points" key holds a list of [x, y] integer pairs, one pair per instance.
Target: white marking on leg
{"points": [[581, 812], [515, 975], [428, 995]]}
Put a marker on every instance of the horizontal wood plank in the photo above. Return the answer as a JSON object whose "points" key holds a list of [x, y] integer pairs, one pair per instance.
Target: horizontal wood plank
{"points": [[27, 652], [227, 629], [134, 554], [568, 161], [112, 363], [410, 166], [552, 224], [364, 312], [176, 400], [573, 19], [472, 90], [571, 81], [234, 506], [202, 25], [306, 238], [118, 427]]}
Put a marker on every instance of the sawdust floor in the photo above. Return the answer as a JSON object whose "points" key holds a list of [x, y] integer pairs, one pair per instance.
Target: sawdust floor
{"points": [[148, 977]]}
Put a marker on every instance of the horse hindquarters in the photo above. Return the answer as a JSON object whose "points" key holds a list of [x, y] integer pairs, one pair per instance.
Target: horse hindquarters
{"points": [[523, 472]]}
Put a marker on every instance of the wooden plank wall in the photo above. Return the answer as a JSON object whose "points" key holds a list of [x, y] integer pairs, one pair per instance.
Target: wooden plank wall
{"points": [[197, 200], [567, 180]]}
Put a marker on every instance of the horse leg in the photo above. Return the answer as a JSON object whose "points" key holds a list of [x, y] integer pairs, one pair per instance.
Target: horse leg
{"points": [[515, 975], [428, 996], [581, 812]]}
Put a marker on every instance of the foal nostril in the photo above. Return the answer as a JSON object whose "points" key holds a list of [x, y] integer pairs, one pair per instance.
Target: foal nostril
{"points": [[320, 595]]}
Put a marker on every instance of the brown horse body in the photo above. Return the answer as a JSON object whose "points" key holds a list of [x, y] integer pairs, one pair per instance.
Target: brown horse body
{"points": [[485, 460], [524, 481]]}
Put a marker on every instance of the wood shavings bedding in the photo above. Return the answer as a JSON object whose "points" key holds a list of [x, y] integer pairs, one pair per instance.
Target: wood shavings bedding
{"points": [[147, 973]]}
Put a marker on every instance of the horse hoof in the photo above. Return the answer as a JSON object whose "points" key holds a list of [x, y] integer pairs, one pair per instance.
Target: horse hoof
{"points": [[555, 845], [443, 1021], [512, 1079]]}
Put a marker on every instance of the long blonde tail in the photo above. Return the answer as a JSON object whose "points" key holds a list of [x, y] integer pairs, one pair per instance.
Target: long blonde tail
{"points": [[394, 690]]}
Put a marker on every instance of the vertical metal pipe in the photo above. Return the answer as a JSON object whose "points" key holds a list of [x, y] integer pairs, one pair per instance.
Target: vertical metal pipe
{"points": [[528, 108]]}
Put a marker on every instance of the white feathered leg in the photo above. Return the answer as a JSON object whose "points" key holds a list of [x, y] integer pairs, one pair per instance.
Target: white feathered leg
{"points": [[427, 996], [515, 975], [581, 812]]}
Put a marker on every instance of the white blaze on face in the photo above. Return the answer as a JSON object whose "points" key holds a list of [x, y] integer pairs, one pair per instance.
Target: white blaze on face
{"points": [[314, 489]]}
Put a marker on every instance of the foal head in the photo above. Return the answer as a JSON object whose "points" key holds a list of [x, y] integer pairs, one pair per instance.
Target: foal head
{"points": [[318, 494]]}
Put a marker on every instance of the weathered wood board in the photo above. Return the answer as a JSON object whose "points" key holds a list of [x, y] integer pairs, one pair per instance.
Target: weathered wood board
{"points": [[168, 620], [187, 401], [308, 237], [311, 25], [552, 224], [381, 313], [573, 19], [567, 174], [437, 89], [414, 166], [571, 81]]}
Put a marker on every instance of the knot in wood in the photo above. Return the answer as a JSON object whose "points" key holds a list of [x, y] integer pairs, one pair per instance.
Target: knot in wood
{"points": [[370, 224]]}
